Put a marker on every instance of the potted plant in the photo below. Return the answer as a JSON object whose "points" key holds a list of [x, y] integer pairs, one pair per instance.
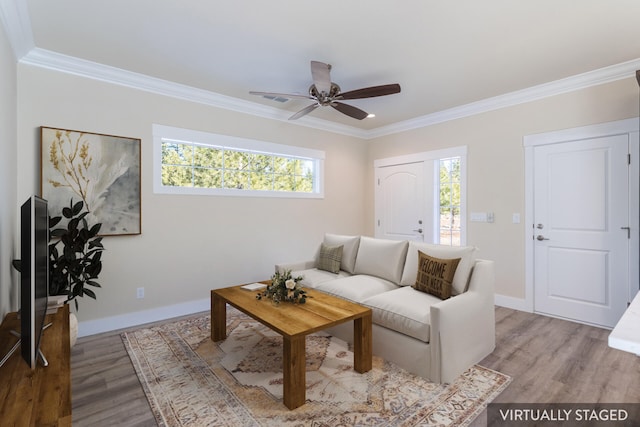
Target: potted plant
{"points": [[78, 262]]}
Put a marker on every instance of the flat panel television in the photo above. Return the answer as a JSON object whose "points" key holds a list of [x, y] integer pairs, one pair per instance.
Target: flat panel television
{"points": [[34, 277]]}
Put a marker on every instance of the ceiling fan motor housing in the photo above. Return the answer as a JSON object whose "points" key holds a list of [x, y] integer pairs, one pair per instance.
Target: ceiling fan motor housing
{"points": [[324, 98]]}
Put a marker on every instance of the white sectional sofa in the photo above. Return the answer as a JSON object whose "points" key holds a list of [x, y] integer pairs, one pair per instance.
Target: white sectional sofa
{"points": [[434, 338]]}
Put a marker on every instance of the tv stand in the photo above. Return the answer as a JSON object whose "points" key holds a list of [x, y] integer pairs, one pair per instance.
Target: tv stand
{"points": [[41, 396], [13, 349], [43, 359]]}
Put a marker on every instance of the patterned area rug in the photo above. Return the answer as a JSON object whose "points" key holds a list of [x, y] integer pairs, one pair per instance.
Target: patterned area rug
{"points": [[191, 381]]}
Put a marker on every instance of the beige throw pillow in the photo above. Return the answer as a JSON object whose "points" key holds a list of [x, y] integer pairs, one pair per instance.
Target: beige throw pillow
{"points": [[381, 258], [329, 258], [435, 275], [350, 249]]}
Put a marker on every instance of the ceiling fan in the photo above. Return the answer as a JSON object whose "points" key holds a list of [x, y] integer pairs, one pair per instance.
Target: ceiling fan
{"points": [[326, 93]]}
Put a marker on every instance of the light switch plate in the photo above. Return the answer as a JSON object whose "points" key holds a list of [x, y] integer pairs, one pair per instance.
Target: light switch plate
{"points": [[478, 216]]}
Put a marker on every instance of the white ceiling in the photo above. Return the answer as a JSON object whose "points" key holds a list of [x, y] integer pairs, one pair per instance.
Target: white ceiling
{"points": [[445, 54]]}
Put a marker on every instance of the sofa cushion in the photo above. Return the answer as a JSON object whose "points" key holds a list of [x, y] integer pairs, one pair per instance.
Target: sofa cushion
{"points": [[381, 258], [467, 255], [356, 288], [313, 277], [349, 249], [329, 258], [435, 275], [404, 310]]}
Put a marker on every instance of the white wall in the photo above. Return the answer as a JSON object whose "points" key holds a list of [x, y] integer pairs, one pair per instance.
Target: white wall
{"points": [[189, 244], [8, 205], [496, 163]]}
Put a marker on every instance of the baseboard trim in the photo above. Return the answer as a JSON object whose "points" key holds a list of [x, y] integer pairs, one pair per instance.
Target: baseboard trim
{"points": [[519, 304], [113, 323], [108, 324]]}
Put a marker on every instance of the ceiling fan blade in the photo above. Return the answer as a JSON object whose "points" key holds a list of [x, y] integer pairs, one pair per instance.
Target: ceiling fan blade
{"points": [[304, 111], [282, 95], [321, 76], [370, 92], [349, 110]]}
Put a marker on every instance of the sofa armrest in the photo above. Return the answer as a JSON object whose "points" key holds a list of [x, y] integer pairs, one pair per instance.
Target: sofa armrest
{"points": [[296, 266], [463, 327]]}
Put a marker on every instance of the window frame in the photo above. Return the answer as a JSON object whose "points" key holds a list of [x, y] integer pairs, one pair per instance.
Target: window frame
{"points": [[162, 133], [436, 156], [437, 202]]}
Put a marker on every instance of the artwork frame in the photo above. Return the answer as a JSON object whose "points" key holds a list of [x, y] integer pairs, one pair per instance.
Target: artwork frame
{"points": [[103, 171]]}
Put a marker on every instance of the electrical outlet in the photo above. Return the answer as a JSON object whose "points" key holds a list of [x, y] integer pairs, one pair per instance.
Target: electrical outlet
{"points": [[140, 293]]}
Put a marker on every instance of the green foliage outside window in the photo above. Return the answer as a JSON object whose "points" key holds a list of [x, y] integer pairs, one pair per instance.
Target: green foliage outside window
{"points": [[449, 187], [199, 166]]}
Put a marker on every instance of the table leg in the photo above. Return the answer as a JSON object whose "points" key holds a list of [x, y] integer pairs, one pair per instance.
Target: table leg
{"points": [[294, 371], [218, 318], [362, 344]]}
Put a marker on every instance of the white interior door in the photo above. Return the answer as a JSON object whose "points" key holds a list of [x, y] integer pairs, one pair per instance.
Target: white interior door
{"points": [[400, 202], [581, 220], [634, 215]]}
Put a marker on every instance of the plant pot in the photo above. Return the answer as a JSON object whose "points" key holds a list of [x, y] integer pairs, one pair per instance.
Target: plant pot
{"points": [[73, 329]]}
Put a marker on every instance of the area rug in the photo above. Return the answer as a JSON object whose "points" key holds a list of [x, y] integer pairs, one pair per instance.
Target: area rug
{"points": [[191, 381]]}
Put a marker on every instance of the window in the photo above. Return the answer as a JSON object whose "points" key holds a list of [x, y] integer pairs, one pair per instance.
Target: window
{"points": [[191, 162], [449, 203], [202, 166]]}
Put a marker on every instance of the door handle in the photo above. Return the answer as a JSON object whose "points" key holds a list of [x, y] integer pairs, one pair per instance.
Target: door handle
{"points": [[628, 231], [540, 237], [419, 230]]}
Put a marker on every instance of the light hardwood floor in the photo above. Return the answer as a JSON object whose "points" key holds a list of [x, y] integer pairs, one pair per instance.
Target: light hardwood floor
{"points": [[557, 361], [550, 360]]}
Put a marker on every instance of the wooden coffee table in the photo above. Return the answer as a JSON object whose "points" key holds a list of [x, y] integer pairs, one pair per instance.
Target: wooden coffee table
{"points": [[294, 322]]}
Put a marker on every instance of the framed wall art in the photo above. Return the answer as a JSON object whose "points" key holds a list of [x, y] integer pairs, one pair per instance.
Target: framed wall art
{"points": [[101, 170]]}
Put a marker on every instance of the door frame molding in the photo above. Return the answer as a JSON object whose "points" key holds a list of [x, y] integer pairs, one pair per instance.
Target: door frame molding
{"points": [[627, 126]]}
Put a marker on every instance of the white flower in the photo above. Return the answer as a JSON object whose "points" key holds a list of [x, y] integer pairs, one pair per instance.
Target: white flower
{"points": [[290, 284]]}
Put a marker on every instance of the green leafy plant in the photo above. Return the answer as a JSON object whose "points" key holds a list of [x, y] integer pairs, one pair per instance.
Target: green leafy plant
{"points": [[284, 287], [78, 262]]}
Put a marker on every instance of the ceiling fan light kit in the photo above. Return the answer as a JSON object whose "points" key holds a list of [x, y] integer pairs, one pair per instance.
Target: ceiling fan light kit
{"points": [[326, 93]]}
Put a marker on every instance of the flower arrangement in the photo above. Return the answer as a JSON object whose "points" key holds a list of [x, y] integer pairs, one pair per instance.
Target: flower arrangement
{"points": [[284, 287]]}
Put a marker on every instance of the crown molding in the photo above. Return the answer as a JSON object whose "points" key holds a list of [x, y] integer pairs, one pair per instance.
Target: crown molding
{"points": [[80, 67], [597, 77], [14, 16]]}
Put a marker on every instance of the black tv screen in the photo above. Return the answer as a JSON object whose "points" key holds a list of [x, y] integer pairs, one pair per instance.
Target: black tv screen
{"points": [[34, 277]]}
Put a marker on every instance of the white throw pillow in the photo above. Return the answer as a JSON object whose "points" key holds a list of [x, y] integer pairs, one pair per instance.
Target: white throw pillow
{"points": [[381, 258], [349, 249], [467, 255]]}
